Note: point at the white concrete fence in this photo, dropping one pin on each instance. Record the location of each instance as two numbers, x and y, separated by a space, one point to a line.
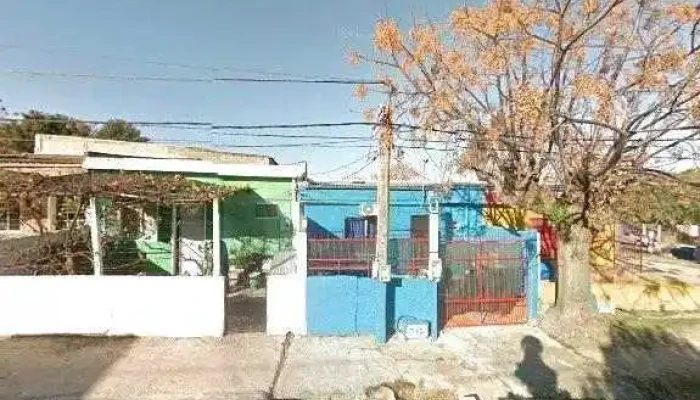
286 290
171 306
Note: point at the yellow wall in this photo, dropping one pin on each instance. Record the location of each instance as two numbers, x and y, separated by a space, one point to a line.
602 255
602 246
648 296
509 217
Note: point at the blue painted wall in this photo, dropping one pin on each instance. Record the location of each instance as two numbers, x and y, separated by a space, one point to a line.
412 299
346 306
326 209
461 213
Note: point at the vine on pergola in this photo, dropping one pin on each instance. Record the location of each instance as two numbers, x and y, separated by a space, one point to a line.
126 187
69 251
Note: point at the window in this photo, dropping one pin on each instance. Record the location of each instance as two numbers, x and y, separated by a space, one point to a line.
165 224
9 215
130 222
420 226
69 208
361 227
266 210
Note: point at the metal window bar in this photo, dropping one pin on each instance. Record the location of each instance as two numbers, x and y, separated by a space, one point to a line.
9 215
409 256
341 256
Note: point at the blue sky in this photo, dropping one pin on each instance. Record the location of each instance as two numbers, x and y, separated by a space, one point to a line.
298 37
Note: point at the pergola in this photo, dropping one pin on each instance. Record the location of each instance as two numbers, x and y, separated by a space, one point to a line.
121 188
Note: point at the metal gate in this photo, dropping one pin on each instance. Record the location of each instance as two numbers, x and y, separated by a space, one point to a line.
484 282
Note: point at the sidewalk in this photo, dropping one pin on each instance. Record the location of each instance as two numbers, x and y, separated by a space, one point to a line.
90 368
493 362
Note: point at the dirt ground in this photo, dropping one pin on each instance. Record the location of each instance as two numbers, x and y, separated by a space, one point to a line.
246 311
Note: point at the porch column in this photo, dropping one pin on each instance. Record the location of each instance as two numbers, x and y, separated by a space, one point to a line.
299 222
94 221
216 237
434 262
174 247
51 213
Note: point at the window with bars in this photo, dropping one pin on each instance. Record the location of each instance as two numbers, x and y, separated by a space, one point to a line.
266 210
9 215
361 227
68 208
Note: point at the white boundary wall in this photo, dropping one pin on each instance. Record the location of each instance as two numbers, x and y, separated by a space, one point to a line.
286 304
173 306
286 287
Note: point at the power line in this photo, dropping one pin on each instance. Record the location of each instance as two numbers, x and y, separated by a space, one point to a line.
337 144
319 144
194 124
199 125
278 135
325 143
366 155
256 71
207 125
158 78
104 77
361 168
336 81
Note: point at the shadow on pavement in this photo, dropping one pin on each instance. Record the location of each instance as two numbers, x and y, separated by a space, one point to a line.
245 313
49 367
639 363
650 363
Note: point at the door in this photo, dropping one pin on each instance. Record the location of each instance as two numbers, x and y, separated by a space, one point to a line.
484 283
194 244
419 252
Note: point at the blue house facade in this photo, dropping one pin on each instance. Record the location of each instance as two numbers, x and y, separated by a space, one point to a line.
447 267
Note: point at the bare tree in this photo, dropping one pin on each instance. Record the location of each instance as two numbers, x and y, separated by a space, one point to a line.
559 104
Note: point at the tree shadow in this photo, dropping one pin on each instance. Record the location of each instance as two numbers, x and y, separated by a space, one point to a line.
639 362
650 362
57 367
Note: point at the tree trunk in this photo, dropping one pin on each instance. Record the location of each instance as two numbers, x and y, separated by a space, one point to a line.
573 275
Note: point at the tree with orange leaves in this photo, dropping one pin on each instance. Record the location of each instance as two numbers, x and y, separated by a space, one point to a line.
560 105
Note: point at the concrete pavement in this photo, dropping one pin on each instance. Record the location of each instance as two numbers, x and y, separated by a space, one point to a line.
494 362
128 368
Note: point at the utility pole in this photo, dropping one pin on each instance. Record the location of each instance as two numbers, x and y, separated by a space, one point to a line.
380 268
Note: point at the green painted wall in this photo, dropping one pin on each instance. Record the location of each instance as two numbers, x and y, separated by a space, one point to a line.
158 254
244 231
